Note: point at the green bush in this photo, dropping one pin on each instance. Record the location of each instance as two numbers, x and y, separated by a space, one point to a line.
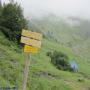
60 60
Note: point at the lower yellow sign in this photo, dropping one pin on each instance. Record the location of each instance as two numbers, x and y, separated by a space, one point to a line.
30 49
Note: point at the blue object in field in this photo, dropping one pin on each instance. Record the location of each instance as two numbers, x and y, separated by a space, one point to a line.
74 66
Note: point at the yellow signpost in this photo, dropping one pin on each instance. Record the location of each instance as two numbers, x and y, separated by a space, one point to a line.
32 41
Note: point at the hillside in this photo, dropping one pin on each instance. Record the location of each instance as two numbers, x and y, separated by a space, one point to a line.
72 32
58 35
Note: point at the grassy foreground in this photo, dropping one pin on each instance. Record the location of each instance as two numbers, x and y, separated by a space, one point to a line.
42 75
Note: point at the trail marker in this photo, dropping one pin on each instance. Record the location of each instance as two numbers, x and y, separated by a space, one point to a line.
32 41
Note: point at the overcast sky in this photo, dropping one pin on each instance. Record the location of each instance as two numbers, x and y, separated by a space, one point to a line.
59 7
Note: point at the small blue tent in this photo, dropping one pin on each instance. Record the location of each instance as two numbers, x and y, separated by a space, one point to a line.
74 66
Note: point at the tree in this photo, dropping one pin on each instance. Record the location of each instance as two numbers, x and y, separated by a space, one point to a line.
0 11
0 4
13 20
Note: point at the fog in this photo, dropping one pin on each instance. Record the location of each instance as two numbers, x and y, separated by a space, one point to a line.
79 8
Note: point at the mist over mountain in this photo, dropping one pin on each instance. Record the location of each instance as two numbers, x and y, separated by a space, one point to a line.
55 23
73 32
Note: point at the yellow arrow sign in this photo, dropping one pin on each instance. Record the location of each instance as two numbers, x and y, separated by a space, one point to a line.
30 49
31 42
32 35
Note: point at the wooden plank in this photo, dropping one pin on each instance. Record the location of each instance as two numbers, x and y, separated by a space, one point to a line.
31 42
30 49
34 35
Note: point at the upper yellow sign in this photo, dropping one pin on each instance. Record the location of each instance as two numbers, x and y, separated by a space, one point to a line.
32 35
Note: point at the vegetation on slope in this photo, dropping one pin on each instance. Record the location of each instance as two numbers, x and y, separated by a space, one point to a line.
43 75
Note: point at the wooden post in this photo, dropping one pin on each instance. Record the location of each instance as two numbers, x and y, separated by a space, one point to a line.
26 71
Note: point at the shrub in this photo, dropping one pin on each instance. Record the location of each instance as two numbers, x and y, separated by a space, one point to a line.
81 79
49 54
60 60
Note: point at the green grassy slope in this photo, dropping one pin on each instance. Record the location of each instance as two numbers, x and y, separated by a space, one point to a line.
43 75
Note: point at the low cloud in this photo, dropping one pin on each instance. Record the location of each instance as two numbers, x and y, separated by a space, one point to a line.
79 8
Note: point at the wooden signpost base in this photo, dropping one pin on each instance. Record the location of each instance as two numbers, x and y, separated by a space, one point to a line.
26 71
